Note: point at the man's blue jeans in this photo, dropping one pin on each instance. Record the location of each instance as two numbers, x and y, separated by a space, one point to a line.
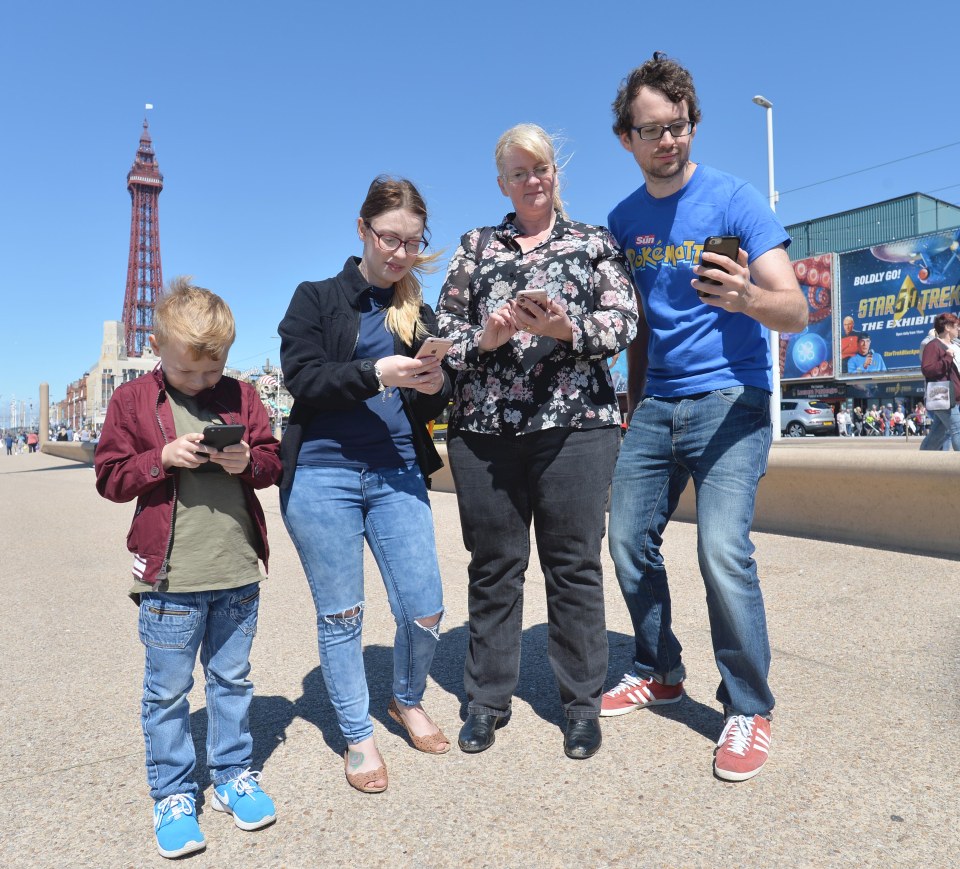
329 511
173 627
722 440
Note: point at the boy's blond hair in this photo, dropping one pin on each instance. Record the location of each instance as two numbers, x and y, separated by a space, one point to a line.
195 316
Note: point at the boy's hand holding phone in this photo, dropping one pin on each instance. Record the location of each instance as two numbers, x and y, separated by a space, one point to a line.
226 447
217 444
185 452
233 459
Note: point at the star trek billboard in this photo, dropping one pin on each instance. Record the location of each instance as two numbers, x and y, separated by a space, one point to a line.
889 296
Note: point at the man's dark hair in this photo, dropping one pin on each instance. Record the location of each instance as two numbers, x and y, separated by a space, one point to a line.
662 74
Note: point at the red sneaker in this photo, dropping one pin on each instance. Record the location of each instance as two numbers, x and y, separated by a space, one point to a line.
743 748
636 693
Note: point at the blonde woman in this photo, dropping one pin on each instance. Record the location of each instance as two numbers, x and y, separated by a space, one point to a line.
534 434
355 459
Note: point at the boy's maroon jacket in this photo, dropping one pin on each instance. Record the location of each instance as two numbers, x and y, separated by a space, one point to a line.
139 423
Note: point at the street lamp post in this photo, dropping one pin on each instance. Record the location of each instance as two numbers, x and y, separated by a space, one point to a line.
767 106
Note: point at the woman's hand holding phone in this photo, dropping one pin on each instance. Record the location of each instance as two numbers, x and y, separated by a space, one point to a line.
500 327
548 318
423 375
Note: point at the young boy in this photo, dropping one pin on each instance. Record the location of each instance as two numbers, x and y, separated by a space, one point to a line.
197 534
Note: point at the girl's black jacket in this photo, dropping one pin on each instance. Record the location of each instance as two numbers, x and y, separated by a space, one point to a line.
318 336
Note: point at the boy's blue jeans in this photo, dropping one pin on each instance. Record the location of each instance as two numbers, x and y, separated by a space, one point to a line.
722 441
329 511
173 627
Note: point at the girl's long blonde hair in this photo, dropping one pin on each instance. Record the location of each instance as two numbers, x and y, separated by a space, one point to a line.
403 314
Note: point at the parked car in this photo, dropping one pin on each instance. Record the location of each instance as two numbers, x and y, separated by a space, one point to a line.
800 417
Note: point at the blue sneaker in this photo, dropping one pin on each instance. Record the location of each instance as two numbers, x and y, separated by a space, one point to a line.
175 823
245 800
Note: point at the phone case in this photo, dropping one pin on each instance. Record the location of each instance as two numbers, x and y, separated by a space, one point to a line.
437 348
725 245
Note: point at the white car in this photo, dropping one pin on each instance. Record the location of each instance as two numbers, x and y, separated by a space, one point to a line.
800 417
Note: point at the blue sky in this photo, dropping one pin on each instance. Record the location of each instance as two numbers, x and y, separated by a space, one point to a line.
270 120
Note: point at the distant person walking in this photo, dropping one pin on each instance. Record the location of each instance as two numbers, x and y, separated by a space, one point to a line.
8 440
939 363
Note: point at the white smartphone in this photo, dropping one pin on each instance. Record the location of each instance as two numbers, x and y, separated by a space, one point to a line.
537 296
435 347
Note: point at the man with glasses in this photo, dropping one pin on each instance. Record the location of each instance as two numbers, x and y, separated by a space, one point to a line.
699 392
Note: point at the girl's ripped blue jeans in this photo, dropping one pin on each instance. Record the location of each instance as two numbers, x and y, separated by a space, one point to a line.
329 512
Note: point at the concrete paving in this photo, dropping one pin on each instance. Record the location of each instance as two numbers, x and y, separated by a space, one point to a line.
863 770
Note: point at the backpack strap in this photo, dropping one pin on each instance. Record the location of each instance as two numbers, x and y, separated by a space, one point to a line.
486 233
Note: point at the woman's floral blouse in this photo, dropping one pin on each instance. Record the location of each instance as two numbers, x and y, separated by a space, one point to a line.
532 382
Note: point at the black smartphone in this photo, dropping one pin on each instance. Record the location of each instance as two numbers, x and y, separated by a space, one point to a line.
220 436
725 245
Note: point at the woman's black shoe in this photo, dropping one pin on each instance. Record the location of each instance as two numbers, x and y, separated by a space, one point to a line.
582 738
477 733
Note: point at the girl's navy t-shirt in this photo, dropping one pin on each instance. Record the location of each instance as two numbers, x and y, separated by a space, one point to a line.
372 434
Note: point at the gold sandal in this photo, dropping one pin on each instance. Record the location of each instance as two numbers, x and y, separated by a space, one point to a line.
430 744
361 780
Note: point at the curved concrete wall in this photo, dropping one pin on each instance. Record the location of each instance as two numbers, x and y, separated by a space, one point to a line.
883 495
76 451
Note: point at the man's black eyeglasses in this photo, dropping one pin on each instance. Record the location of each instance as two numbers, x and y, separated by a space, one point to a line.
651 132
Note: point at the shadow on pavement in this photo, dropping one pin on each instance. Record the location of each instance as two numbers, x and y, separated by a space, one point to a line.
271 715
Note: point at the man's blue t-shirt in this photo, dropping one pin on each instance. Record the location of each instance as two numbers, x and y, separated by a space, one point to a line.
696 347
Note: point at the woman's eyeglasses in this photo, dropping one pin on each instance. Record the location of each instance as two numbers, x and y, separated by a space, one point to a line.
391 243
520 176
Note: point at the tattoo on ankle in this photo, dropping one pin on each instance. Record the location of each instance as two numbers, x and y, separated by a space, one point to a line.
355 759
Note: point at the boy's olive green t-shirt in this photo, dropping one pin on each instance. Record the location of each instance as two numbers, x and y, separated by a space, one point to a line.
214 537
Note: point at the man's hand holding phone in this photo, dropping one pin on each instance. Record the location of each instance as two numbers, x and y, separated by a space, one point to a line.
723 279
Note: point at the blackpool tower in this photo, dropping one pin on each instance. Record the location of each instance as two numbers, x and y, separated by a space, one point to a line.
144 274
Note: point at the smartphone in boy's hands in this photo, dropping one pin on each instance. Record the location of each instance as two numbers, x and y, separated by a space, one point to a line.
725 245
220 436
